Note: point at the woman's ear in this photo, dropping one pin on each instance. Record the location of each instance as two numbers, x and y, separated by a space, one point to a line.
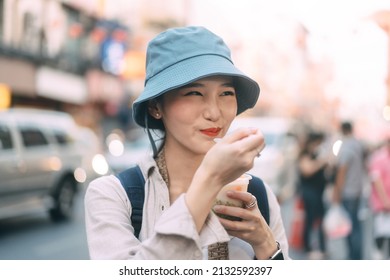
154 110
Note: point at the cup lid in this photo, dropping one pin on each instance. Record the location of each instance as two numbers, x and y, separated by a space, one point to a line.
243 179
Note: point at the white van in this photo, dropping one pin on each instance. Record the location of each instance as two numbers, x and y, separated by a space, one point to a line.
39 159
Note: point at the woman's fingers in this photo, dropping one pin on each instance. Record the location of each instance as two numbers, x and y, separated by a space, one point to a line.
239 134
245 141
253 142
237 212
247 213
249 221
248 225
234 154
244 196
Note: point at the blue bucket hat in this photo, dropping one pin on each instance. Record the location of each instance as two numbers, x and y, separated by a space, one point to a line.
180 56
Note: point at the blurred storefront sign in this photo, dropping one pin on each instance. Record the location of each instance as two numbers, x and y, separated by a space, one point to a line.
18 75
134 65
61 86
113 52
103 87
5 96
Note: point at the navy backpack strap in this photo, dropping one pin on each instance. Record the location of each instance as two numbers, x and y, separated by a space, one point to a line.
133 182
257 188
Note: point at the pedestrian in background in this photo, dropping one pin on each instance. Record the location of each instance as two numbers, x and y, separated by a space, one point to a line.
379 169
349 182
312 181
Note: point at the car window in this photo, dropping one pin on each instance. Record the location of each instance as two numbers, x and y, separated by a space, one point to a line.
33 137
62 138
5 138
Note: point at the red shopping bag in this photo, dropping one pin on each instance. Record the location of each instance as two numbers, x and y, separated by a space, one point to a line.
297 224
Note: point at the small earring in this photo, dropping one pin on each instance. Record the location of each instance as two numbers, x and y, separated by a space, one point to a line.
157 115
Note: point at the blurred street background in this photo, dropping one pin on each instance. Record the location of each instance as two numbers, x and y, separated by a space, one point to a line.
318 63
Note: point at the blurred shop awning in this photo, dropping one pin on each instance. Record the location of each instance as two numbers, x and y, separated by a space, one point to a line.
59 85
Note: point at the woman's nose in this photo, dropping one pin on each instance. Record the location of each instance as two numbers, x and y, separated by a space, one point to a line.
212 111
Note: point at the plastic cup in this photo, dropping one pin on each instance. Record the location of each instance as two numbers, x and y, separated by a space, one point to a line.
240 184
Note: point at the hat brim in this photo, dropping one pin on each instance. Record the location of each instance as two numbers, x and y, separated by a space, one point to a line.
188 71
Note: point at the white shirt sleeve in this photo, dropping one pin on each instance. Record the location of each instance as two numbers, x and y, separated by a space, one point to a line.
110 234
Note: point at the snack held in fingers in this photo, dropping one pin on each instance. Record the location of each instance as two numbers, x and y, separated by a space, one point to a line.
240 184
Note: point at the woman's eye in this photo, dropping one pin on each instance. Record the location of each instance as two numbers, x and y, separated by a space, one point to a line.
193 93
229 93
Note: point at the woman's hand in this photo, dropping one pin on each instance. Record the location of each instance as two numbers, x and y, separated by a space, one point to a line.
252 228
233 155
224 162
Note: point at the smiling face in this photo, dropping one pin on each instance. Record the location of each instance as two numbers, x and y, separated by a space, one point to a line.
197 113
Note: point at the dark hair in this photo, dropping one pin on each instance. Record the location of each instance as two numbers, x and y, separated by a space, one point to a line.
311 137
151 122
346 127
315 136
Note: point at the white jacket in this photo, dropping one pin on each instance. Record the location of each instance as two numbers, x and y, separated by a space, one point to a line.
168 231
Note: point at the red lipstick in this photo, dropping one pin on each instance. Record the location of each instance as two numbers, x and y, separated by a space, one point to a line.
212 131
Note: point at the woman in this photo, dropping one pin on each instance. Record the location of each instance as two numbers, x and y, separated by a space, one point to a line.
192 93
312 183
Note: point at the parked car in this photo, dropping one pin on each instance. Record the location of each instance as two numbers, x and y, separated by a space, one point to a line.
277 163
40 162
